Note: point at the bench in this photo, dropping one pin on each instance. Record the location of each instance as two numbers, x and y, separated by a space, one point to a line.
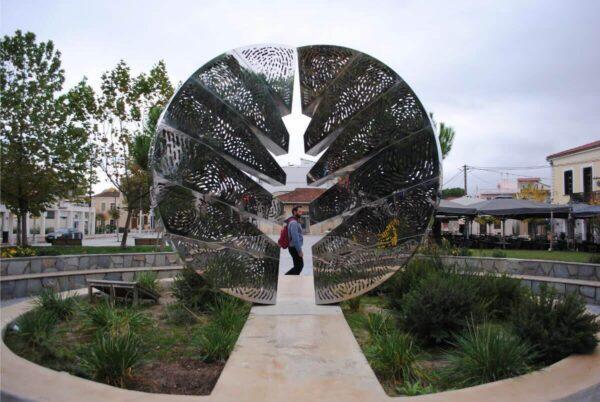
147 241
121 290
66 242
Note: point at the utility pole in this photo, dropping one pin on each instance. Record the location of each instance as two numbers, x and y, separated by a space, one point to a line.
465 177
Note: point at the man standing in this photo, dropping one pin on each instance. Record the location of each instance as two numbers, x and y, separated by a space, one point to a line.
296 240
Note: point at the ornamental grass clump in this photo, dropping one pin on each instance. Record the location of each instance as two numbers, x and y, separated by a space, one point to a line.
112 357
486 353
228 313
214 343
378 324
148 280
105 318
35 326
395 355
556 327
54 302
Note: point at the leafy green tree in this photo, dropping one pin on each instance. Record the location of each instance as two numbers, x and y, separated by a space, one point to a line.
453 192
44 136
128 105
445 136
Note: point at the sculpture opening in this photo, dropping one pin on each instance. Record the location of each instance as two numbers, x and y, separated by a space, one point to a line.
215 139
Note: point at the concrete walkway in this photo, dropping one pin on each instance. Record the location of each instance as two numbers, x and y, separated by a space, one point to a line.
297 351
285 259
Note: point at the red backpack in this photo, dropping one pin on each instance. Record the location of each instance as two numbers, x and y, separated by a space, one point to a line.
284 237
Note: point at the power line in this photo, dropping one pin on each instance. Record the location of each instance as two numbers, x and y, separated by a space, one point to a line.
512 167
507 173
452 178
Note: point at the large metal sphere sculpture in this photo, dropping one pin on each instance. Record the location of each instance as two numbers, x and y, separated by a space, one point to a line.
216 133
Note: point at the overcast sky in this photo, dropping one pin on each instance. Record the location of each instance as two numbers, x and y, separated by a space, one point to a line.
517 80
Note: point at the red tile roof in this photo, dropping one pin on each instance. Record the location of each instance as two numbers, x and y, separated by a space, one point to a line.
301 195
109 192
580 148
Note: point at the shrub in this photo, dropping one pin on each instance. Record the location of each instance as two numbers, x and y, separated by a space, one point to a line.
486 353
12 252
105 318
415 388
214 343
556 328
594 259
178 314
500 292
378 324
403 281
61 306
35 326
499 254
112 357
394 355
149 280
228 313
440 305
193 290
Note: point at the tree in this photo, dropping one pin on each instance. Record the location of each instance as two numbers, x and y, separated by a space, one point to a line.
533 194
445 136
128 106
44 136
453 192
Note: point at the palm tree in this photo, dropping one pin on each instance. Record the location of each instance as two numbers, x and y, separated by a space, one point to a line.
445 136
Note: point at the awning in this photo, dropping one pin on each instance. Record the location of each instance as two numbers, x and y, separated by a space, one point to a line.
580 211
449 208
520 209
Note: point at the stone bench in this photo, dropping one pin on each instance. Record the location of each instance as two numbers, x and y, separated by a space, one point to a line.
41 264
589 290
16 286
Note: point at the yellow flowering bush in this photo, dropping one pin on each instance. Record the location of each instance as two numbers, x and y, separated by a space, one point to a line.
11 252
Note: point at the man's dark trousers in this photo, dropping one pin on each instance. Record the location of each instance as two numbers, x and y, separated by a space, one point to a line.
298 262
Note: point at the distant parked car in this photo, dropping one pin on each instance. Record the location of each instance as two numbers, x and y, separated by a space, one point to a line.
63 233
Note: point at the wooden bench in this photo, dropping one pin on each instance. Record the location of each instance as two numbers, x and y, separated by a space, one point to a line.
66 242
121 290
147 241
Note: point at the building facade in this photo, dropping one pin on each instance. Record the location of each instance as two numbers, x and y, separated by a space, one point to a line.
576 178
575 173
64 214
112 199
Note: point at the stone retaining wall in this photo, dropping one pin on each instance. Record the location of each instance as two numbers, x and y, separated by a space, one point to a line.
44 264
30 286
514 266
565 277
27 276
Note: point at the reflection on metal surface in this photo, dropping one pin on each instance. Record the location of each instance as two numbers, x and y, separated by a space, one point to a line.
380 144
222 126
218 129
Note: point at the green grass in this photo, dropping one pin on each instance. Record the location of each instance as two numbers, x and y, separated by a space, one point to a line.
569 256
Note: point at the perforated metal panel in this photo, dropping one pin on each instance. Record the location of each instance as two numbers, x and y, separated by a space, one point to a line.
380 144
219 128
216 131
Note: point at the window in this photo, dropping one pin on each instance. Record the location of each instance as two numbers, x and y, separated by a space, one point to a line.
568 182
587 180
50 214
103 207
